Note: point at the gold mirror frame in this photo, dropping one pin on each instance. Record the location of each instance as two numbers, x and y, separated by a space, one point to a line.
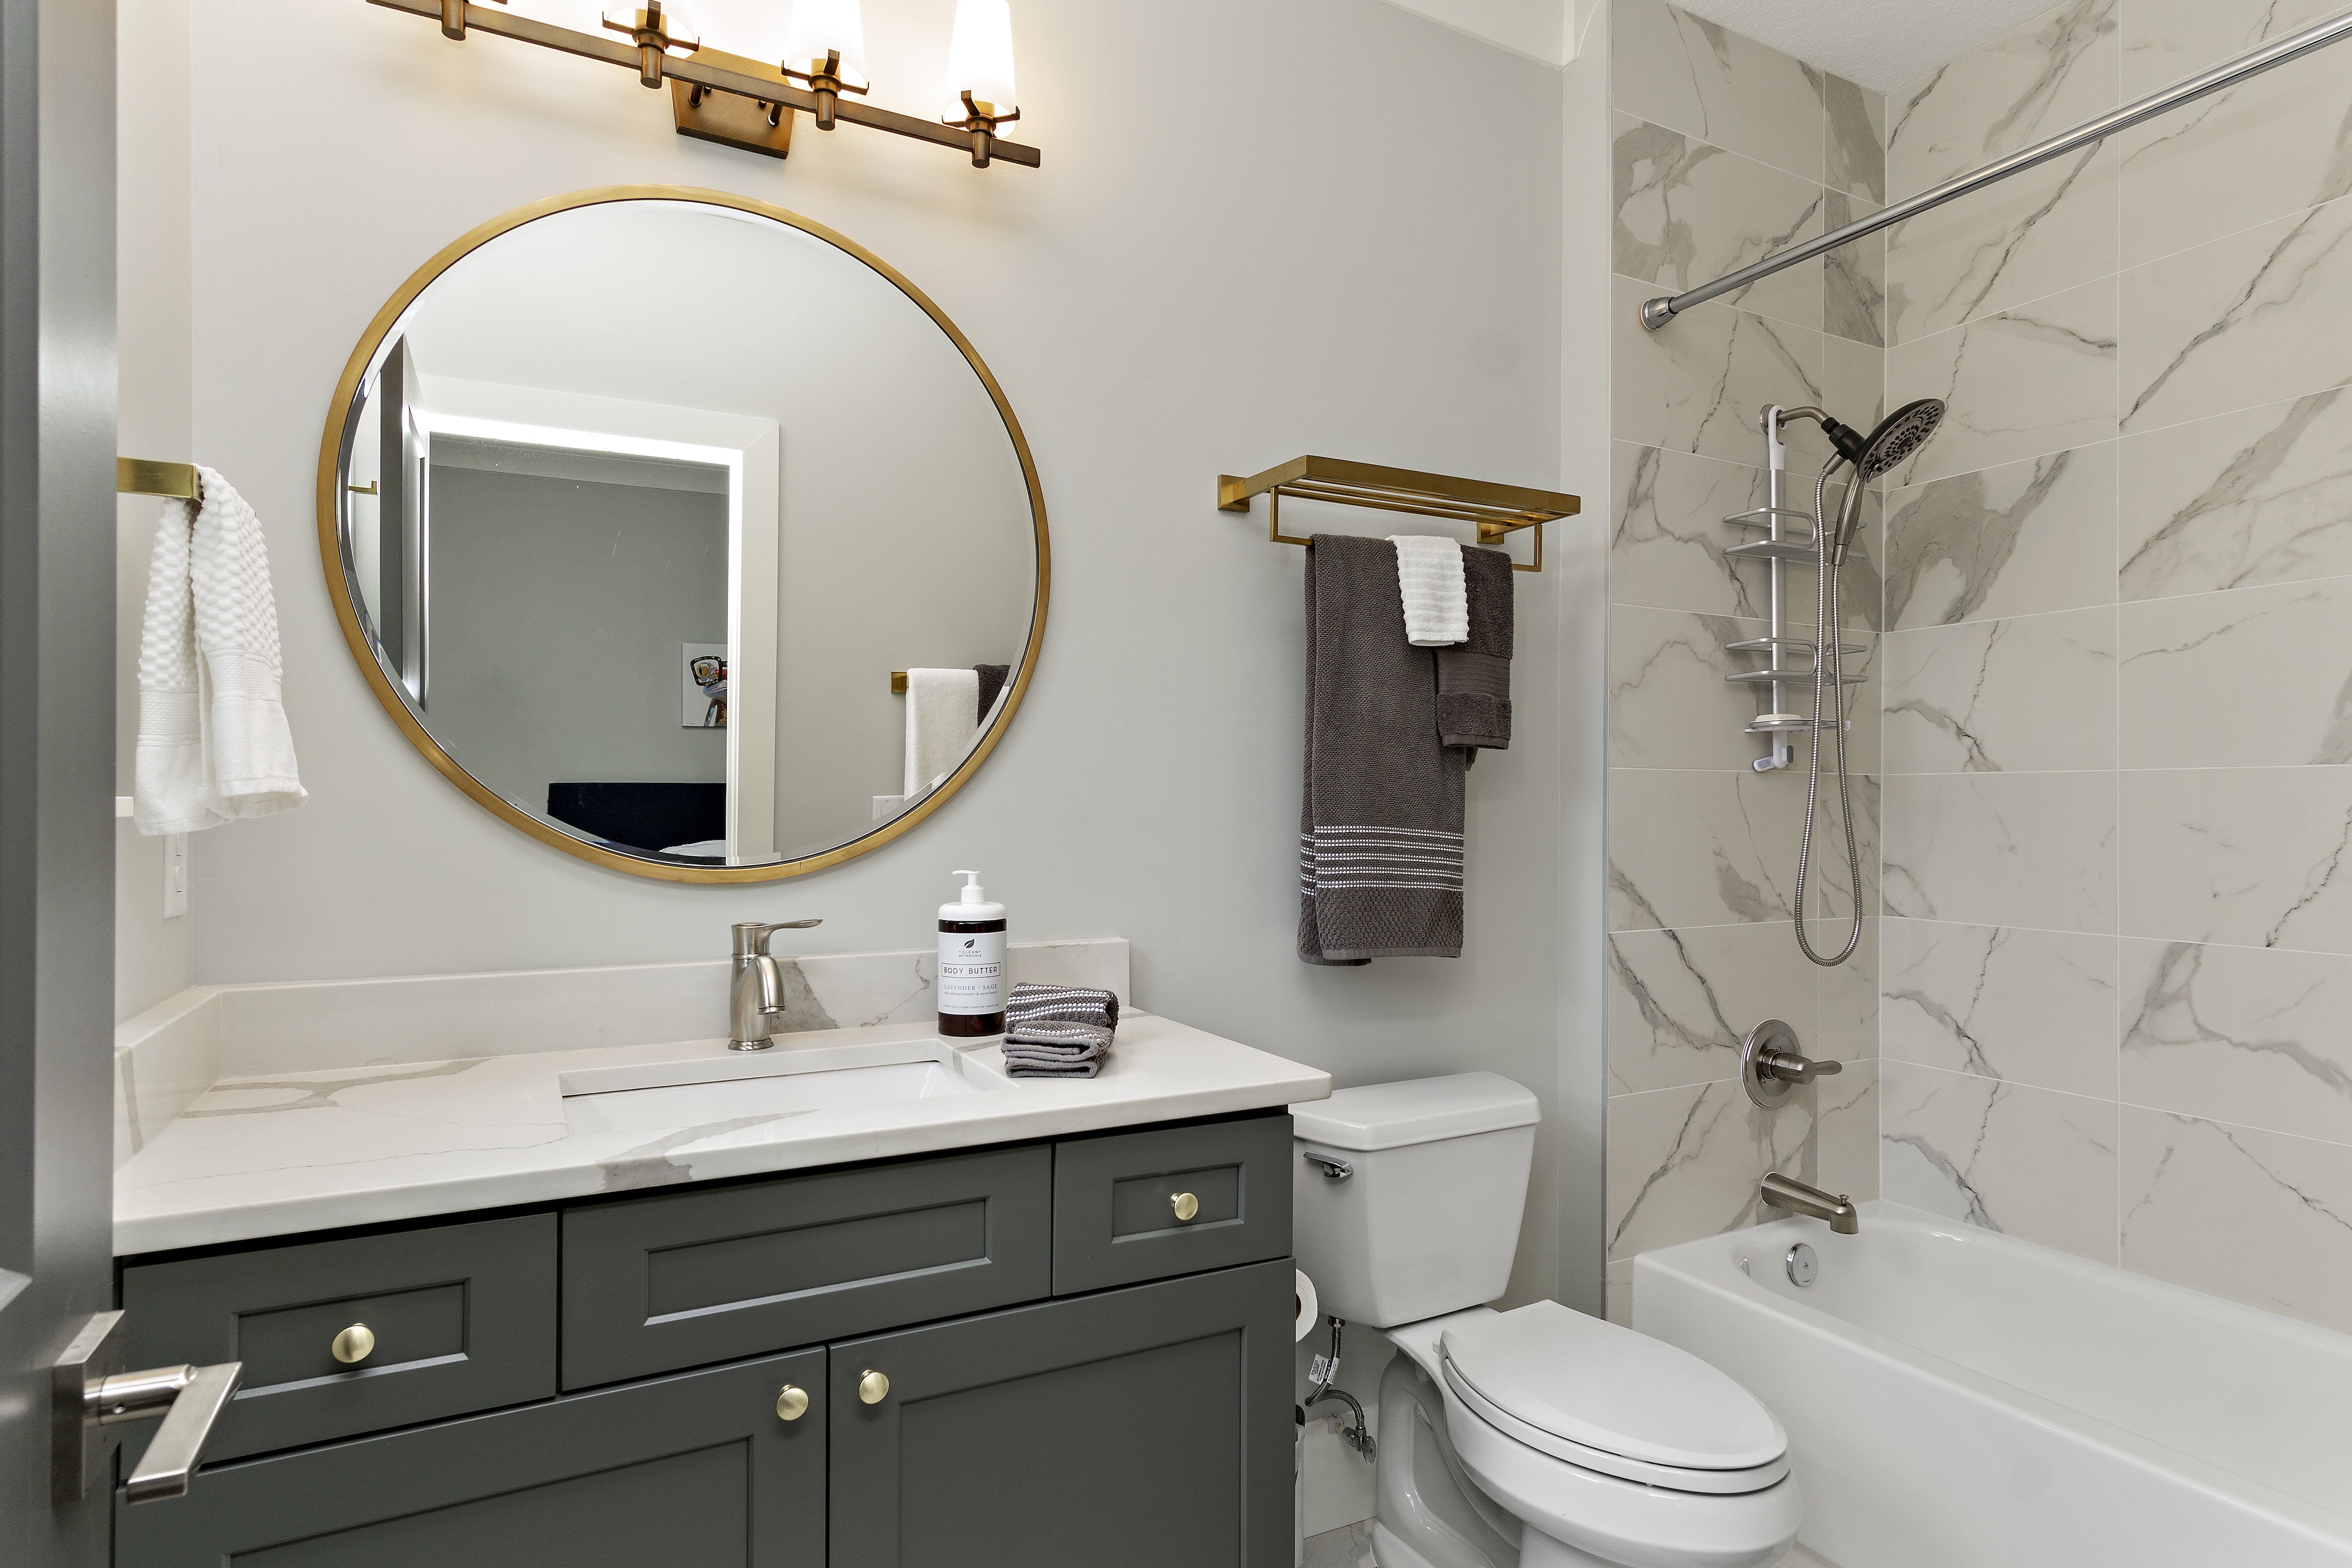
332 557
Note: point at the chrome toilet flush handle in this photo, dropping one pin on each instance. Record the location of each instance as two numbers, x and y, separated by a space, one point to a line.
1335 1169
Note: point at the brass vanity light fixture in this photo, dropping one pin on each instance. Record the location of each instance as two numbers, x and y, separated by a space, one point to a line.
1499 511
826 80
656 33
742 102
980 74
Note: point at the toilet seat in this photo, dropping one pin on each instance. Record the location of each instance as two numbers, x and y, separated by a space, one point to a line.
1607 1399
1754 1479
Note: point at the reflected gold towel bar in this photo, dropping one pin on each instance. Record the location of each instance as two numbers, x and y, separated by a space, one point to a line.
1499 511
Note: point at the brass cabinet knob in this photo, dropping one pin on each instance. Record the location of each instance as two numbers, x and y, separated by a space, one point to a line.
792 1403
873 1388
1185 1204
355 1343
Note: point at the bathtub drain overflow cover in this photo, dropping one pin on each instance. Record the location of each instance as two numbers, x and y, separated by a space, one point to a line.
1802 1264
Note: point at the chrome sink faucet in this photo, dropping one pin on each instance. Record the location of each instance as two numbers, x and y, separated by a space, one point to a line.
757 996
1787 1193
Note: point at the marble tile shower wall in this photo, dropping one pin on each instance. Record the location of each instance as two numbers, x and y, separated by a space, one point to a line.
2117 735
1725 151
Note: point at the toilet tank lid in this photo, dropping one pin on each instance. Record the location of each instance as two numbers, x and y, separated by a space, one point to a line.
1418 1110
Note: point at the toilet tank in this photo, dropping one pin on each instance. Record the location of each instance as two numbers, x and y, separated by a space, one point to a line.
1427 1215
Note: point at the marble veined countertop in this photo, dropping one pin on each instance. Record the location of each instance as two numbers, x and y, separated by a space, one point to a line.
283 1154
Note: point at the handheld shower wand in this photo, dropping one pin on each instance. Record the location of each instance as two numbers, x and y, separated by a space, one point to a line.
1870 456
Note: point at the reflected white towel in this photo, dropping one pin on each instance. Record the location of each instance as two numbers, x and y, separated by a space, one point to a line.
942 718
212 741
1436 604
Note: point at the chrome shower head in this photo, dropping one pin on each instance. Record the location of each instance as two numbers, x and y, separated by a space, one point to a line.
1899 435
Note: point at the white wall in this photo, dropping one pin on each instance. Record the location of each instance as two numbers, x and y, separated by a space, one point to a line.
1543 30
1225 261
154 957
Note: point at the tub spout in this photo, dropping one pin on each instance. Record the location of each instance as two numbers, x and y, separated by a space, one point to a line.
1783 1193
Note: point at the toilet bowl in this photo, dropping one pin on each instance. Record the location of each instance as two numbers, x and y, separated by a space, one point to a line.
1538 1438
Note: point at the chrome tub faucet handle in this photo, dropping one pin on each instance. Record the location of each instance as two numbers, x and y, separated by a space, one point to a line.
1772 1065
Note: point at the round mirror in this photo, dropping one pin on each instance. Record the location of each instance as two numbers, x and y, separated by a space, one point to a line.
683 533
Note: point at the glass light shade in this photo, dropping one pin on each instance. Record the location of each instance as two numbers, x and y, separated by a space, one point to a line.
980 57
753 28
820 26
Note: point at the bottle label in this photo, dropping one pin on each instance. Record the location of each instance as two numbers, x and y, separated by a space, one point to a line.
972 972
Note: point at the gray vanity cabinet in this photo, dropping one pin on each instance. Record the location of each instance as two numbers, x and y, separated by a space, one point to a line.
1048 1355
1148 1428
677 1472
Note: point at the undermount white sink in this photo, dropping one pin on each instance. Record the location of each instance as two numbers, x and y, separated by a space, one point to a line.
746 1089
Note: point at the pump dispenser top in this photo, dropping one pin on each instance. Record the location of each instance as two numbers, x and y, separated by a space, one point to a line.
973 905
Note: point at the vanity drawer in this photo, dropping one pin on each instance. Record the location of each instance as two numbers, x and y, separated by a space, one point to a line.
684 1279
1118 1209
463 1315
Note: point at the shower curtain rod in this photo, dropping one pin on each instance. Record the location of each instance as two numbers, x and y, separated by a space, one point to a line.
1656 313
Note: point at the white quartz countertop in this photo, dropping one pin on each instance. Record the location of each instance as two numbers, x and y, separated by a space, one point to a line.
313 1150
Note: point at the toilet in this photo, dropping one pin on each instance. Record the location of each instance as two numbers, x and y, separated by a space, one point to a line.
1540 1436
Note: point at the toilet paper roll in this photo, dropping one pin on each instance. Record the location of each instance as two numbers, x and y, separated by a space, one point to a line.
1307 1314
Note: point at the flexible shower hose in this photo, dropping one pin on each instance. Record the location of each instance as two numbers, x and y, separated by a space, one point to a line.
1828 678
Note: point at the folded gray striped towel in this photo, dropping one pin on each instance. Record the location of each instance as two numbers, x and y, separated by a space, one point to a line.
1057 1031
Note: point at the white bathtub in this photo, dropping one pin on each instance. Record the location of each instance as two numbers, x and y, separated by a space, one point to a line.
1958 1399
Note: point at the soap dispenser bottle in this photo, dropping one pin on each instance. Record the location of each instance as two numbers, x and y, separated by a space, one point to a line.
971 965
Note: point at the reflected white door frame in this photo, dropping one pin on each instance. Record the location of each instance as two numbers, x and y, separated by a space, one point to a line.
751 451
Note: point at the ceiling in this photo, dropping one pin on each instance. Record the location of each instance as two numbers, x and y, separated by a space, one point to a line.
1881 44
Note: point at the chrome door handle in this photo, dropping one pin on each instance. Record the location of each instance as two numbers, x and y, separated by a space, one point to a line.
189 1398
88 1394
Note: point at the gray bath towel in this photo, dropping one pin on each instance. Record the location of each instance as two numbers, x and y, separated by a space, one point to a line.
1474 679
1058 1031
1380 833
991 682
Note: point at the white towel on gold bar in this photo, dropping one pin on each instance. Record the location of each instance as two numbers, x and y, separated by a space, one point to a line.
214 744
943 718
1437 602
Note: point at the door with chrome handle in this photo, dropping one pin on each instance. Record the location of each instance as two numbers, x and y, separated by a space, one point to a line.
90 1392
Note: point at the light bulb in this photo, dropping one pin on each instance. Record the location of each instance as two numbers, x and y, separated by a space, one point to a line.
822 26
751 28
980 60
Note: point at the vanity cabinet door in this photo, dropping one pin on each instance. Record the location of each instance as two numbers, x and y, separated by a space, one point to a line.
1131 1206
1148 1428
698 1471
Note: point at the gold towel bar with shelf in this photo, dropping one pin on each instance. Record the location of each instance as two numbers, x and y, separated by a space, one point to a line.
1499 511
143 477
